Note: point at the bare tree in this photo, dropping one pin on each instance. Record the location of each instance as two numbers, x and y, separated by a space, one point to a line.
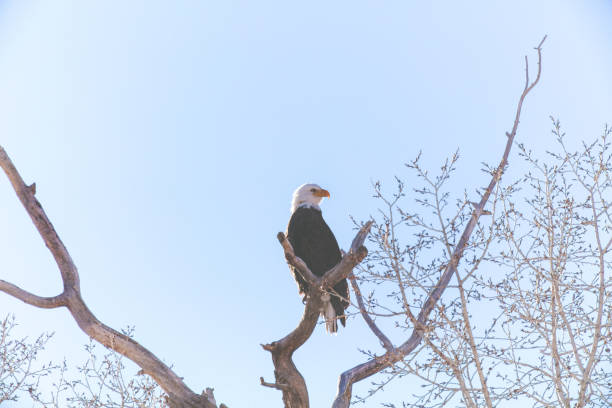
556 294
416 315
529 316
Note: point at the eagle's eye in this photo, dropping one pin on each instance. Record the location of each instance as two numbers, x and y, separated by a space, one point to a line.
312 190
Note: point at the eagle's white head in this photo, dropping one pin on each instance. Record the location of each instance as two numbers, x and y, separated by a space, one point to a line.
309 195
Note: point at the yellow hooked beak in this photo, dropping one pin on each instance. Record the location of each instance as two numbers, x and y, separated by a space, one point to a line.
321 193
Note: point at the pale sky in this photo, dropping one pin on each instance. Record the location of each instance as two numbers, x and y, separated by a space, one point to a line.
166 139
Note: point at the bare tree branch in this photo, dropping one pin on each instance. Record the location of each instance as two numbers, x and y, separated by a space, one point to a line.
179 394
296 261
364 370
366 316
30 298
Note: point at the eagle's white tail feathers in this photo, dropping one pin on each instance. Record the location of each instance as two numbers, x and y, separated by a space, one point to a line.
329 314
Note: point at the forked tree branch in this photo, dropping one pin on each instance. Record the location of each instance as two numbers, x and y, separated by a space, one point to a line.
371 367
288 378
179 394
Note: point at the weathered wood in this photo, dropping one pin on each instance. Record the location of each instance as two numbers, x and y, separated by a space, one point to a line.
288 378
179 394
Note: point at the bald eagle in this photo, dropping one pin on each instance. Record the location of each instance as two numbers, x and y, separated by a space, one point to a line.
315 244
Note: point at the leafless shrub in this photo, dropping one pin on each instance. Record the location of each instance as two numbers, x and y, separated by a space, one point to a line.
19 371
103 380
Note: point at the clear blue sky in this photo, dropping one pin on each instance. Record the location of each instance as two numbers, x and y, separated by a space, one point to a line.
166 139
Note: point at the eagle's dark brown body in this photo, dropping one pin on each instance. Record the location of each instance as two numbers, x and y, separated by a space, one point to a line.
315 244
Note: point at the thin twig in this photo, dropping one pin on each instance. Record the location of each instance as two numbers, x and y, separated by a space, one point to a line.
366 316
